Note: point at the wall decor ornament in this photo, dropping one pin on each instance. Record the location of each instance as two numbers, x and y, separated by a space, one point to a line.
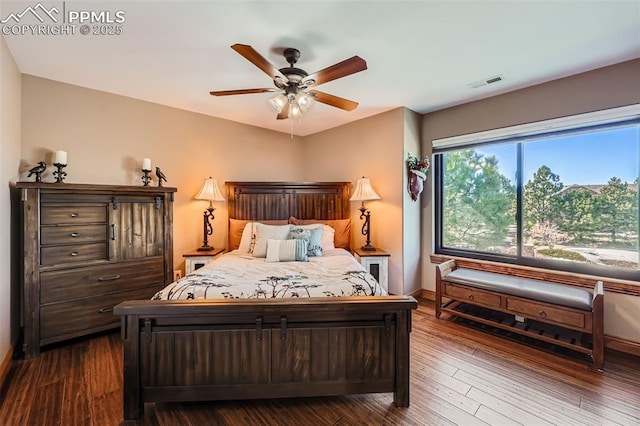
146 169
161 176
60 162
38 170
417 174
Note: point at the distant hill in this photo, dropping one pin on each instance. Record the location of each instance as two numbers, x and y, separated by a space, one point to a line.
594 189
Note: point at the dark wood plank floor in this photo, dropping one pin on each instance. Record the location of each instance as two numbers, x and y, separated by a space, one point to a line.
459 376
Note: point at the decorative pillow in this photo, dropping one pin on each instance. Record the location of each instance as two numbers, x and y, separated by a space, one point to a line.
266 232
313 237
294 250
342 228
240 234
326 238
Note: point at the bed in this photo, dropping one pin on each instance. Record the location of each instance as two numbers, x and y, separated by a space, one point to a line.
279 336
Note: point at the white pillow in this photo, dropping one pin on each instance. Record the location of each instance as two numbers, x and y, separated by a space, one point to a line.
287 251
328 235
245 240
266 232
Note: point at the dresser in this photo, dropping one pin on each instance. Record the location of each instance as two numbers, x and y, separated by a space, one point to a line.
86 248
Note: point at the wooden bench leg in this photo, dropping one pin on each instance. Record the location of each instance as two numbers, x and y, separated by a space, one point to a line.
598 326
438 294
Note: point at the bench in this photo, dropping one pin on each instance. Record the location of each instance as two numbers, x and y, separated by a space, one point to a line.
538 309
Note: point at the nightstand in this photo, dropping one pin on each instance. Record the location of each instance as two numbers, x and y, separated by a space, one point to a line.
376 262
197 259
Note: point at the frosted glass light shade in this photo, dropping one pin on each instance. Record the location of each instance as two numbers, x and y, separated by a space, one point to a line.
304 100
209 191
364 191
278 102
294 110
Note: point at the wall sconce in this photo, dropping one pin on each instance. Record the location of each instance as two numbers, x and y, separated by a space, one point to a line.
211 193
364 192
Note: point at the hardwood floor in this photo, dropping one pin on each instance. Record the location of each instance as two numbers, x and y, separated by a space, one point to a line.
459 376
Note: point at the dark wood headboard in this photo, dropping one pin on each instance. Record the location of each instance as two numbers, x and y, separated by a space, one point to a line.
281 200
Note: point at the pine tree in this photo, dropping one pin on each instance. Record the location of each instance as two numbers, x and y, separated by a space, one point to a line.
477 201
541 201
579 213
619 208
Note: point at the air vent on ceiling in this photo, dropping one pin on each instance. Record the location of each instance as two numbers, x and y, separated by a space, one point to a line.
490 80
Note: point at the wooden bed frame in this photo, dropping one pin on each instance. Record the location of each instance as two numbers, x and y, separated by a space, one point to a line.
200 350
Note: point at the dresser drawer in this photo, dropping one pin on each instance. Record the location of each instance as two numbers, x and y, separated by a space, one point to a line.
75 253
472 295
546 313
70 234
61 321
67 214
71 284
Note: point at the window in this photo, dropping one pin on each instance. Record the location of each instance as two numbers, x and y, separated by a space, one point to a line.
565 199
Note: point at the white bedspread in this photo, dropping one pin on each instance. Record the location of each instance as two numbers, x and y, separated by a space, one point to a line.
239 275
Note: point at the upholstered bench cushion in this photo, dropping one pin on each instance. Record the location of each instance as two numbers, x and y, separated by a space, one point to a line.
543 291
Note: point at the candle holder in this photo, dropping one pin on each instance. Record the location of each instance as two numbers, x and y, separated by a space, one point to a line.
146 178
59 174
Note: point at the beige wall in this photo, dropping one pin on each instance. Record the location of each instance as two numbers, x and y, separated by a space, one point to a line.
372 147
9 160
106 137
411 224
603 88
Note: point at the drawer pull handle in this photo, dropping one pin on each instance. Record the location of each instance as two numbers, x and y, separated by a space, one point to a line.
75 253
105 310
115 277
543 314
75 215
74 235
471 297
113 232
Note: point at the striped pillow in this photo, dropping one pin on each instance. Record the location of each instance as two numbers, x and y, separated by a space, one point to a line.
287 251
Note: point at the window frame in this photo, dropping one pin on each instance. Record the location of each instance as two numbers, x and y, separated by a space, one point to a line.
518 135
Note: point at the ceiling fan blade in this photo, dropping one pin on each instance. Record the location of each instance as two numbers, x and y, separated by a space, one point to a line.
258 60
334 101
284 114
339 70
241 92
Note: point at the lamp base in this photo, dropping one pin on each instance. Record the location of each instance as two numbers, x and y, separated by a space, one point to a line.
368 247
205 248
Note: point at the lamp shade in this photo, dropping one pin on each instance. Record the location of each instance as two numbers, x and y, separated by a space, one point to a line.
210 191
364 191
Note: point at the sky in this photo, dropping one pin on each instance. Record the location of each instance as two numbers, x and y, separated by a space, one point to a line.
592 158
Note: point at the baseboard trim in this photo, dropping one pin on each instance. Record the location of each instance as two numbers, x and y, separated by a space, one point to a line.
428 295
610 342
622 345
416 293
4 371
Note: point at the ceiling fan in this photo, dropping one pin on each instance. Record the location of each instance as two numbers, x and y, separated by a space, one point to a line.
294 83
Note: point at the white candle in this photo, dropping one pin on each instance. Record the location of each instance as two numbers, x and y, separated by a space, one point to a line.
146 164
61 157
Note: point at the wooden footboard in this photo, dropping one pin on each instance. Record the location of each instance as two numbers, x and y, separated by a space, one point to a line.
198 350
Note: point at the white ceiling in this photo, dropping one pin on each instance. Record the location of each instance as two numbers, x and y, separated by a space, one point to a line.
420 54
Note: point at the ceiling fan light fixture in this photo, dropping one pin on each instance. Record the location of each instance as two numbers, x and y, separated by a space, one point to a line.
294 110
304 100
278 102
